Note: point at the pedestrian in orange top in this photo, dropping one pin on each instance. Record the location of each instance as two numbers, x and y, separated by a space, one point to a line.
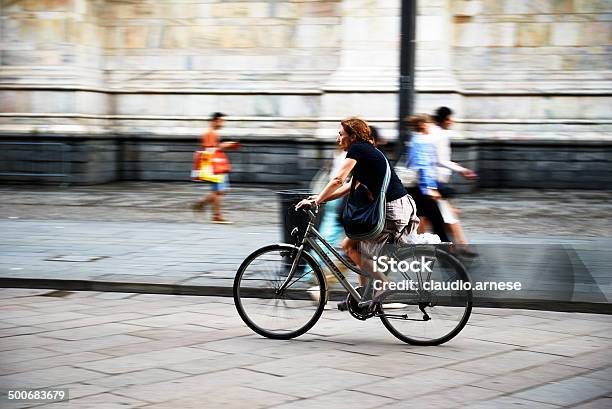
211 142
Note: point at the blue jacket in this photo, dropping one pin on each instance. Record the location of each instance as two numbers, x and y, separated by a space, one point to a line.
423 158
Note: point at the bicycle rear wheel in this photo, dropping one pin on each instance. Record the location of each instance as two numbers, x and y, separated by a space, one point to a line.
274 314
428 317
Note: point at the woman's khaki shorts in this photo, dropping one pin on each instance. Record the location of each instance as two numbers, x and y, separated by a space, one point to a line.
400 222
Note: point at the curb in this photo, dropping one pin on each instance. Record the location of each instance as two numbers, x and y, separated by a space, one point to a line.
224 291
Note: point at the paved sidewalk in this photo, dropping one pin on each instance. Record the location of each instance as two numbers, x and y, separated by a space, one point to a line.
143 238
120 350
580 214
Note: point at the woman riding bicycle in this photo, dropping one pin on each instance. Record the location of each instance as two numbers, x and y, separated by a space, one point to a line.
368 167
273 289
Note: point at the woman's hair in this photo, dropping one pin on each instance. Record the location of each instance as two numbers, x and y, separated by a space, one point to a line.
357 130
442 115
375 134
415 121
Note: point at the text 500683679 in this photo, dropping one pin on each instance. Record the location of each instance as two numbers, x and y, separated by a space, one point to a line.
37 395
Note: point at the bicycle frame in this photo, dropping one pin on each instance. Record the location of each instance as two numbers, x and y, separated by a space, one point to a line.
310 238
368 305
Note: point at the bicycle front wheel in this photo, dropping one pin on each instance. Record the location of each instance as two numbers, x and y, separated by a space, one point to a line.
437 307
275 313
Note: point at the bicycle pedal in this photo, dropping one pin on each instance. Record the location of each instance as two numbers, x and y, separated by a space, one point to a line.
342 306
366 304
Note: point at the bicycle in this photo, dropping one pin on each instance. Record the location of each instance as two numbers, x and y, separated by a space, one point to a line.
280 291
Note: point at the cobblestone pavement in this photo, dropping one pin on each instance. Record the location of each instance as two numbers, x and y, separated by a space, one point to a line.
119 350
159 202
142 234
514 212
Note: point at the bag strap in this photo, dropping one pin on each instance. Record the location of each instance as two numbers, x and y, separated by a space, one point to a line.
386 180
353 183
385 185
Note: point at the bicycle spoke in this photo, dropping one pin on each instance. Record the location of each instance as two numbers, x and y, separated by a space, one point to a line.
428 317
288 312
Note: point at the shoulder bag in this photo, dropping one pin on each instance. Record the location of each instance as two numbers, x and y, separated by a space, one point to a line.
407 176
364 216
220 162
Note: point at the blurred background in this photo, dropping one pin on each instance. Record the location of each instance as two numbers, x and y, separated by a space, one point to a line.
103 103
95 91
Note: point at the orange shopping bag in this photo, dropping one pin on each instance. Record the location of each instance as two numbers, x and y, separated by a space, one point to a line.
220 163
202 168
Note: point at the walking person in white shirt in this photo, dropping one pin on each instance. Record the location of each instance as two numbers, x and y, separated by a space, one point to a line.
443 118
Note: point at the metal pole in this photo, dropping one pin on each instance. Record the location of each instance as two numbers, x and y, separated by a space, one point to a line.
406 79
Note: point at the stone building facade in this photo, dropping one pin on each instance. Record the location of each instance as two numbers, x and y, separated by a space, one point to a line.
103 90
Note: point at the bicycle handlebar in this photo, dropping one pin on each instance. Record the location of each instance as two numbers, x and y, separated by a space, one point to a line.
311 210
